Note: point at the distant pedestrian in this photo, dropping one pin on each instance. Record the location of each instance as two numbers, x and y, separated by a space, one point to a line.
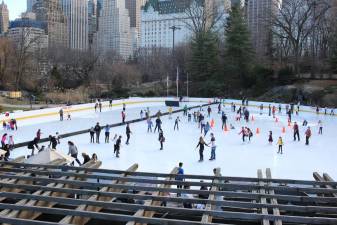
307 136
320 127
270 138
128 133
107 133
176 123
61 114
92 135
161 139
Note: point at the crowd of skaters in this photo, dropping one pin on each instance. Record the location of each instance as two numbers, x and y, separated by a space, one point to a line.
201 117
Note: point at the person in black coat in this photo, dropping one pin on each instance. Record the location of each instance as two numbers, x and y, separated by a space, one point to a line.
128 133
52 142
98 132
86 158
33 144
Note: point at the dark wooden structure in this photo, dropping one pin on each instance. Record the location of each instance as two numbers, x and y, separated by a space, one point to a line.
59 194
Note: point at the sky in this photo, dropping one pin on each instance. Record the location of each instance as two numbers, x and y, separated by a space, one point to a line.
15 7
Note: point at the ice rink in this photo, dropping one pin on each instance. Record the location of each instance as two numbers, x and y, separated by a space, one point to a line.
234 157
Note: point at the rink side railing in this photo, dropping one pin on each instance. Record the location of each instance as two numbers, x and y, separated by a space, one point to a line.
75 133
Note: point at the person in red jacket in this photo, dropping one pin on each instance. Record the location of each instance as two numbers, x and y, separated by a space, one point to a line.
307 135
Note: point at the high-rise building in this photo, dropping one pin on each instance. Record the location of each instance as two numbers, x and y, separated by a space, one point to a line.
50 12
28 33
92 21
134 7
76 12
114 28
259 18
4 18
30 4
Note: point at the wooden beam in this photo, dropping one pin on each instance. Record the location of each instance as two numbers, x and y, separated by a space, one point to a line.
206 218
165 175
18 181
150 214
84 220
264 211
273 201
33 215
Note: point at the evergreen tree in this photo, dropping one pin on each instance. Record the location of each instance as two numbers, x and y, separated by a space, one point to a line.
238 49
204 62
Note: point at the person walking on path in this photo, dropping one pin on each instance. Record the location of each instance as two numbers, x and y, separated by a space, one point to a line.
149 125
176 123
201 145
320 127
161 139
73 152
98 132
128 133
296 132
180 177
92 135
307 136
107 133
280 145
213 147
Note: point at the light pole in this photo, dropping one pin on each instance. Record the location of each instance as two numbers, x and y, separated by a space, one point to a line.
174 28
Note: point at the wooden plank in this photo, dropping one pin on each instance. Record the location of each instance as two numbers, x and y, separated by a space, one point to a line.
165 175
33 215
83 220
150 214
273 201
206 218
19 181
264 211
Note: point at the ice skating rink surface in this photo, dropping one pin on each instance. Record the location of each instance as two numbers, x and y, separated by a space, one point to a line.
234 157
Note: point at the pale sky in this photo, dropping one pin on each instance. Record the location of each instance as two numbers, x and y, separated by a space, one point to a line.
16 7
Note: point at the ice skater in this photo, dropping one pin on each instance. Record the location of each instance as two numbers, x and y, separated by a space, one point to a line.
141 114
209 111
149 125
161 139
123 116
201 145
320 127
128 133
296 132
33 144
52 142
224 120
213 147
107 133
118 146
92 135
73 152
207 127
97 130
179 177
261 109
280 145
158 124
307 136
61 114
270 138
176 123
243 133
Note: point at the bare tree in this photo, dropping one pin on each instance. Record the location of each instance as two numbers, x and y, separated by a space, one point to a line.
6 53
293 24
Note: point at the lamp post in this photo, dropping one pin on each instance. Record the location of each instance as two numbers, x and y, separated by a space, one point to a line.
174 28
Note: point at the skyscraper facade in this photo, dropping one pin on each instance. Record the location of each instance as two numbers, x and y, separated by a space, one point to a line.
50 12
30 4
4 18
114 28
259 18
134 8
76 12
92 21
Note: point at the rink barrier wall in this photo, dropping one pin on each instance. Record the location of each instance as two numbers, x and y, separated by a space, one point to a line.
71 134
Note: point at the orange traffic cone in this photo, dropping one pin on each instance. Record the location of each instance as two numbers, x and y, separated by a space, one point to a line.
212 123
252 117
283 130
257 130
